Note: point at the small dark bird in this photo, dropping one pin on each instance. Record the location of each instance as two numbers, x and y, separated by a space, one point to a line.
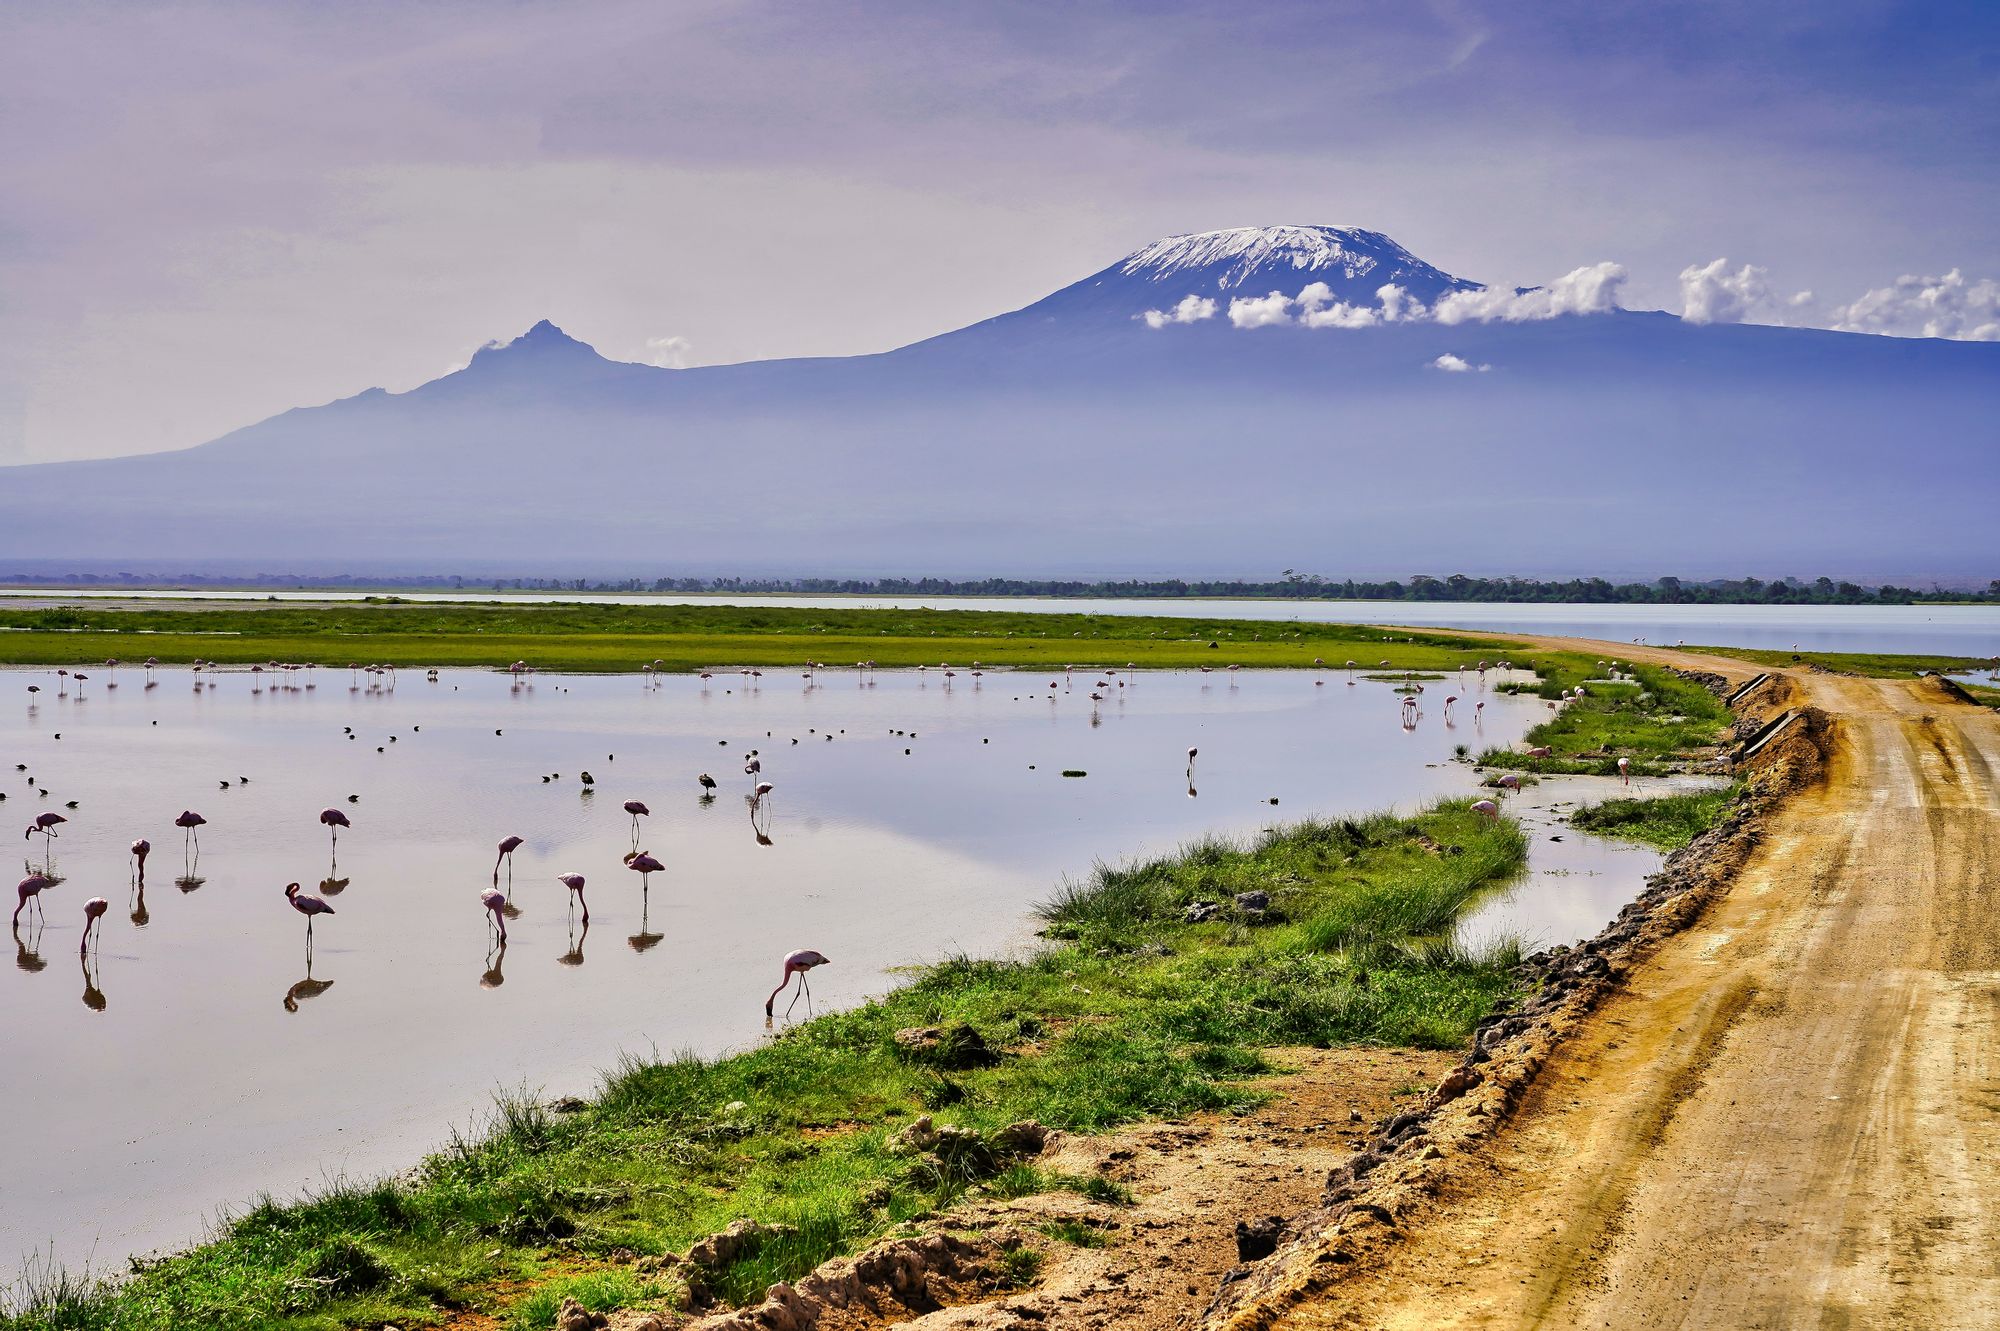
707 781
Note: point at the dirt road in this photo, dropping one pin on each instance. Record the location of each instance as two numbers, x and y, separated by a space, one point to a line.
1790 1116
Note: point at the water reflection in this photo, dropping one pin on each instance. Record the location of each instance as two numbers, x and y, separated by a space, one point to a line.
93 997
496 956
309 987
141 917
27 951
643 941
574 957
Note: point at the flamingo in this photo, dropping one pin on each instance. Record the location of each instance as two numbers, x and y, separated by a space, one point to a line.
1625 770
30 889
496 901
796 963
1509 782
191 820
638 810
1190 767
645 866
574 882
1449 699
1487 808
93 915
307 905
46 824
508 845
140 850
333 820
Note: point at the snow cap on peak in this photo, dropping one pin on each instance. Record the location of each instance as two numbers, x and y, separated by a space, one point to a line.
1242 257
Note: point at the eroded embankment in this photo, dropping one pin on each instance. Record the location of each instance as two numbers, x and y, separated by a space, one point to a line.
1387 1188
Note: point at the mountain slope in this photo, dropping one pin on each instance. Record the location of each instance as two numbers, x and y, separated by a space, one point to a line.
1072 437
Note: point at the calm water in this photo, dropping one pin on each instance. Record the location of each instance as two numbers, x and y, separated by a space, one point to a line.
202 1056
1963 630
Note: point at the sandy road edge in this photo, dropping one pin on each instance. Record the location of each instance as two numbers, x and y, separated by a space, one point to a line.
1391 1185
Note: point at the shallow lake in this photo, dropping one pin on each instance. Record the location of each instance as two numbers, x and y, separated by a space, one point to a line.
201 1056
1952 630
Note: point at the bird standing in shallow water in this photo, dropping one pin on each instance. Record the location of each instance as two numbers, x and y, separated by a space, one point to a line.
574 882
796 963
307 905
93 915
508 845
29 889
333 820
496 901
46 824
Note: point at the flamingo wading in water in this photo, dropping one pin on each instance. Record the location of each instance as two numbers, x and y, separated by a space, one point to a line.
496 901
93 917
46 824
574 882
508 845
333 820
29 889
308 905
191 820
796 963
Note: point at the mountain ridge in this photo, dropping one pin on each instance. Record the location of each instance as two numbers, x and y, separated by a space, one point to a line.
1072 433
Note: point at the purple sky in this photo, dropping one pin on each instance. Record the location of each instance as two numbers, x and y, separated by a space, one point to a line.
213 212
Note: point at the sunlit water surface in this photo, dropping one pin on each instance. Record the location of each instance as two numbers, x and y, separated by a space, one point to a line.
201 1057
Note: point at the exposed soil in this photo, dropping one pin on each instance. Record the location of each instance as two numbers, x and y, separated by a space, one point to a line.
1778 1109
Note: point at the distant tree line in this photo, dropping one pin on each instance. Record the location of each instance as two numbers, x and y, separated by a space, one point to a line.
1290 584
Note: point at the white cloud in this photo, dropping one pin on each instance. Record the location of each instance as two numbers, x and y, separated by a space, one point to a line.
1260 311
1191 309
668 352
1948 306
1318 309
1710 293
1398 305
1591 290
1452 364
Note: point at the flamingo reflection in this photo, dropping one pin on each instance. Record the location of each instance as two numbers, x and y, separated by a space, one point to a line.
27 951
643 941
496 956
306 988
141 917
574 957
93 997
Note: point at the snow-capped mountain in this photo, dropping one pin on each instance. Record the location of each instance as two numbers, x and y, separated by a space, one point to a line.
1252 261
1497 433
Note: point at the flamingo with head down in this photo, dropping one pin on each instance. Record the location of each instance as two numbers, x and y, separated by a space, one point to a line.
796 963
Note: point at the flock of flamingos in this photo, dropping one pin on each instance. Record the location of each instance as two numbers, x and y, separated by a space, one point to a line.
795 965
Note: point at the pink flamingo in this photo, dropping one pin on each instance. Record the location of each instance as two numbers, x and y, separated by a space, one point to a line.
496 901
140 850
796 963
1478 708
1190 767
1625 770
1540 751
29 889
645 866
508 845
1509 782
46 824
308 905
93 914
190 820
1449 699
638 810
333 820
763 788
1487 808
574 882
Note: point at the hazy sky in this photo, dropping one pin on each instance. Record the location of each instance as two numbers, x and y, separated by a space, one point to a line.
213 212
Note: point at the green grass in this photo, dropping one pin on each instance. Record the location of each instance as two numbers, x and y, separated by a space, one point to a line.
618 637
1665 822
1880 665
1128 1013
1653 721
